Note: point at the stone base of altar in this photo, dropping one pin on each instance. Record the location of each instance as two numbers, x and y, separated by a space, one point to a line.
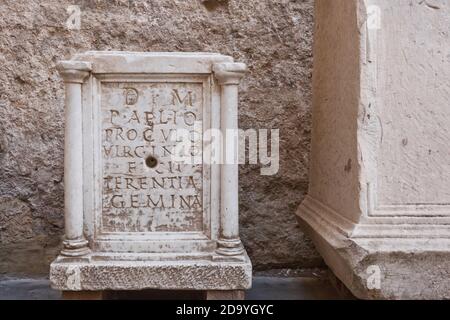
98 273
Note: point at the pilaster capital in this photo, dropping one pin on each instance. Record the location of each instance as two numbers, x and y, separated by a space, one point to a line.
73 71
229 72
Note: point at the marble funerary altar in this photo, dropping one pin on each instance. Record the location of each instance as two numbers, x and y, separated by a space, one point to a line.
135 217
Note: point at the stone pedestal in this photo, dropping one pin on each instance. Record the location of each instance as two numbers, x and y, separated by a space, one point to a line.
378 208
138 216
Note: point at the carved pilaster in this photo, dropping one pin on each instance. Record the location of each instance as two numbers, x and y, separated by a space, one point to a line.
228 76
74 73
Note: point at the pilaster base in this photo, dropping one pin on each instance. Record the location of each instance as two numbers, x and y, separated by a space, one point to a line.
230 248
75 248
381 260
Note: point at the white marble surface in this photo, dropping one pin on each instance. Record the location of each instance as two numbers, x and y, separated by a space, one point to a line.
138 218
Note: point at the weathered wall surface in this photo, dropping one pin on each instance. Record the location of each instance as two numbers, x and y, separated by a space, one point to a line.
273 37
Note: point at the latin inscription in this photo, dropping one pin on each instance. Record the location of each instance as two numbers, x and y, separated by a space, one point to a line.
144 189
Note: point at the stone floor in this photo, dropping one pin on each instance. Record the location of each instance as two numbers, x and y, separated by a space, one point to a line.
264 288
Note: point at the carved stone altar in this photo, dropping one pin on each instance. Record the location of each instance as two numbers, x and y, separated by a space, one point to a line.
135 218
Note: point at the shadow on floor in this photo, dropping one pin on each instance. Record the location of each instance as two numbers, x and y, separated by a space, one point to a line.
264 288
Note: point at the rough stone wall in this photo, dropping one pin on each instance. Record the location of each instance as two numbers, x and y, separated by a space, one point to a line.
274 37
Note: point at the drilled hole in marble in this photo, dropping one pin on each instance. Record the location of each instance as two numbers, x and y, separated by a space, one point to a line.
151 162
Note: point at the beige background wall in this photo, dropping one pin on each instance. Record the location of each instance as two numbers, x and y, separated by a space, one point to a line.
273 37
